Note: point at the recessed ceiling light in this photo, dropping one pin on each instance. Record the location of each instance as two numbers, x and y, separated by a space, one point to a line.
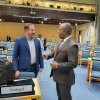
42 22
0 20
75 24
22 21
59 23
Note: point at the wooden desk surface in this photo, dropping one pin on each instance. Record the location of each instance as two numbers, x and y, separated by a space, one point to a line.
37 94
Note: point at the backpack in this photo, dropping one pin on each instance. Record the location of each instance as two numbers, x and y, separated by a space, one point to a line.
7 73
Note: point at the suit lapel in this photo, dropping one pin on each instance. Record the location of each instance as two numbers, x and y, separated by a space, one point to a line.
57 49
26 44
63 46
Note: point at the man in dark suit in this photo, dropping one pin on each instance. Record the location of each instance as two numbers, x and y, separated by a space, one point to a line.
65 59
27 55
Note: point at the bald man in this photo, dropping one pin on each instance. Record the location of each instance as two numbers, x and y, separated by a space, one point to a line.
65 60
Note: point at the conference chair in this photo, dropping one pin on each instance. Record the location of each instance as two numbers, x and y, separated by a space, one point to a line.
94 69
83 56
96 53
9 52
3 57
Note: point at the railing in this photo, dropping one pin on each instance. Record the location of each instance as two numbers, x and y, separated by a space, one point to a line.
56 5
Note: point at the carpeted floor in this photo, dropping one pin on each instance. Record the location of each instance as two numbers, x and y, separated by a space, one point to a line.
80 90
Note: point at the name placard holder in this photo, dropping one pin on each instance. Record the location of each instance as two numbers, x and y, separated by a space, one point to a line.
18 88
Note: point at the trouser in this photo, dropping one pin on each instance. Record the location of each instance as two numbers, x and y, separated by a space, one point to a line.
63 92
45 46
34 69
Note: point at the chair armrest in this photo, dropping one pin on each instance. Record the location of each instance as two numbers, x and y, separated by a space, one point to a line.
79 57
91 53
89 67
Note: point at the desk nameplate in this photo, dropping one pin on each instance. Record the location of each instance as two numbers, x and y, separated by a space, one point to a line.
16 89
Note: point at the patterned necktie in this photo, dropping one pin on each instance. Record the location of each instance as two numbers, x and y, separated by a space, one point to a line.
59 45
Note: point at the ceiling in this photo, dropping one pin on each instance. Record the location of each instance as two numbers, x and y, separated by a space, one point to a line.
46 16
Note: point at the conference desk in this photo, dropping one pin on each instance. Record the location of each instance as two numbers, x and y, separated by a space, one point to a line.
36 96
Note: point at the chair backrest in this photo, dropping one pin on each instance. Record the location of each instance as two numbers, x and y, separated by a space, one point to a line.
11 49
97 54
96 64
85 54
96 49
3 57
9 52
1 49
87 48
1 52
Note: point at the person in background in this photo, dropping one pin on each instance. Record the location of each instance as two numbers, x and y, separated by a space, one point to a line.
45 43
8 38
65 60
40 38
52 45
27 55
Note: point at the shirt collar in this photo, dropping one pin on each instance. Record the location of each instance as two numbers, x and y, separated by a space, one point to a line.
66 38
29 39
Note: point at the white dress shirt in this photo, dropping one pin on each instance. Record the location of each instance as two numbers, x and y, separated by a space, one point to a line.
32 50
64 40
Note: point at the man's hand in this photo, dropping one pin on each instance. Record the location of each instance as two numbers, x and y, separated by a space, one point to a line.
45 56
17 74
54 65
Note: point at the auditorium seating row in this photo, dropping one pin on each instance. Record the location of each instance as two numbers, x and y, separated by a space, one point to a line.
90 56
6 50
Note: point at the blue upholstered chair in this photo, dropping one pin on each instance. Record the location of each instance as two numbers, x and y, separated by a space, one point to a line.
96 49
3 57
1 49
9 52
0 52
83 56
94 69
96 53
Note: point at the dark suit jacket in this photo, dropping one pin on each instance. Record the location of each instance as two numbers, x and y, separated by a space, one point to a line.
22 57
67 58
